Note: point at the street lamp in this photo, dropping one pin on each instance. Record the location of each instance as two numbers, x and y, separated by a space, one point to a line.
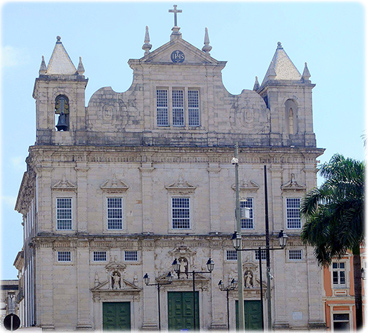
146 279
233 285
210 266
237 241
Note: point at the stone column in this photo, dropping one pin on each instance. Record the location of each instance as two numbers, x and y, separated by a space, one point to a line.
147 193
82 198
84 297
149 293
45 286
45 221
213 176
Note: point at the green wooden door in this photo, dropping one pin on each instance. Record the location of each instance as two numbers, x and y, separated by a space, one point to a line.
252 315
116 316
180 310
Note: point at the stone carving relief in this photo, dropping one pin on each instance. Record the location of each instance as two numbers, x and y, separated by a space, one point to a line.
292 184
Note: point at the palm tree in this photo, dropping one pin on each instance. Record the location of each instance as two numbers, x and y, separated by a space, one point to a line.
334 215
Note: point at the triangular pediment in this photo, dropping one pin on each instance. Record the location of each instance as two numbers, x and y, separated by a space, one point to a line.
114 185
178 52
246 185
105 286
181 185
64 185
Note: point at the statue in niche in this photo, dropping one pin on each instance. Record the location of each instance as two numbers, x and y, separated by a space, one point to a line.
248 279
183 267
116 280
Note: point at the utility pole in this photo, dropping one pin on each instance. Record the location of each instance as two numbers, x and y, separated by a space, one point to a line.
269 318
235 161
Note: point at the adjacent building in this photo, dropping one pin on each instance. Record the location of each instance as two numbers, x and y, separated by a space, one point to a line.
339 293
125 185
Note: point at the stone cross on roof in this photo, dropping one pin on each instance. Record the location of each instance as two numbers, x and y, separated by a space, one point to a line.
175 11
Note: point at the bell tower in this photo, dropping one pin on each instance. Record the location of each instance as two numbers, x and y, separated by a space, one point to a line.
288 95
59 92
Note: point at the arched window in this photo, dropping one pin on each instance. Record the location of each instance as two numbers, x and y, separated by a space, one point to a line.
291 121
62 113
291 110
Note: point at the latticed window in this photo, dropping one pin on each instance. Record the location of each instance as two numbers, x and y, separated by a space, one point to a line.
338 274
247 223
293 213
180 213
263 254
295 254
162 108
114 213
131 256
99 256
178 107
193 108
64 213
231 255
64 256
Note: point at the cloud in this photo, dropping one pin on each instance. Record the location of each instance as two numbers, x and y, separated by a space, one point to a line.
12 56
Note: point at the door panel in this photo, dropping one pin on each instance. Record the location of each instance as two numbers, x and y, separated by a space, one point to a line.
252 315
116 316
180 310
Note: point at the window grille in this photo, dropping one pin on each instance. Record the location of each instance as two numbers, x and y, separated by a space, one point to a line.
193 108
178 107
247 223
162 108
295 254
99 256
293 213
114 213
263 254
231 255
180 213
131 256
64 213
338 274
64 256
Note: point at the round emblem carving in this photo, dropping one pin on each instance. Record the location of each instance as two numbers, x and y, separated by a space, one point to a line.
177 56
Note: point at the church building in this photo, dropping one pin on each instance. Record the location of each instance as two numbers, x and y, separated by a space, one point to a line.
126 183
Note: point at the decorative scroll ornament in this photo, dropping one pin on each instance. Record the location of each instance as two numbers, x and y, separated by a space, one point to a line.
293 185
245 185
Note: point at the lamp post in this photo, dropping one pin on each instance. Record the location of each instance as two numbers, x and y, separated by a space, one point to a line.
146 279
231 286
210 266
235 162
236 239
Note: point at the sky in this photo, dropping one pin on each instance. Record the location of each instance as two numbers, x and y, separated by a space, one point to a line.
329 36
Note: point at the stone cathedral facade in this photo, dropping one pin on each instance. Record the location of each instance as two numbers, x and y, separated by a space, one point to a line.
124 184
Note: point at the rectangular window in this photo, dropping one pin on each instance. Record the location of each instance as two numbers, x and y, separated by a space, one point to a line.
338 274
231 255
162 108
193 108
247 223
263 254
114 213
64 256
99 256
180 213
341 322
295 254
178 107
131 256
64 213
293 213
